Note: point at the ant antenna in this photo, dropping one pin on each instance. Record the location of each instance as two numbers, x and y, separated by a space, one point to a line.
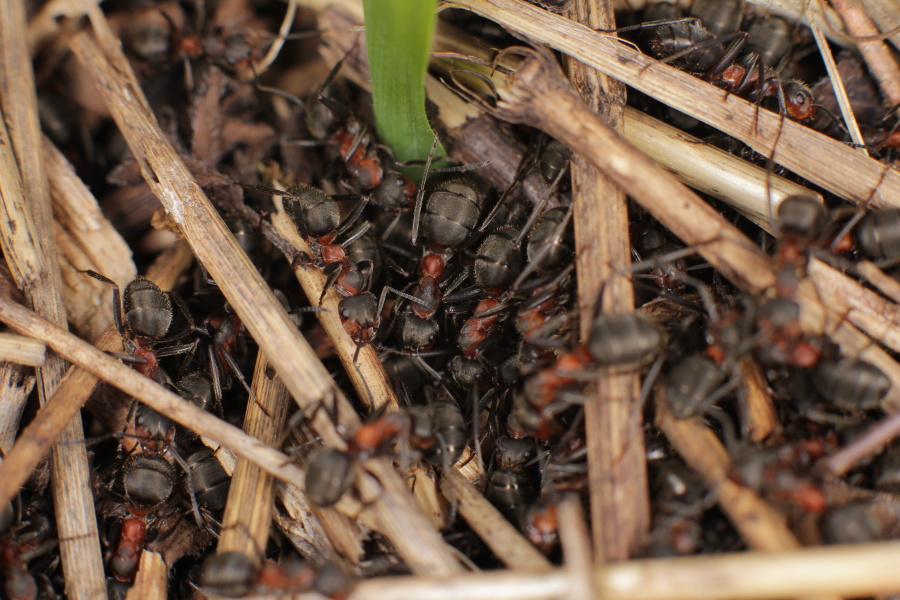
417 213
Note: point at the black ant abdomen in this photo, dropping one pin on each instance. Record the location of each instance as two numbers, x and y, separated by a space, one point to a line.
878 234
313 211
851 384
148 480
452 212
625 339
329 474
498 261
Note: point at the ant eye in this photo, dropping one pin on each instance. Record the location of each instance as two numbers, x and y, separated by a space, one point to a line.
345 314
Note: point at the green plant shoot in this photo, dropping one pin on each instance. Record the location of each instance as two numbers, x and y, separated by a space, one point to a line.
398 40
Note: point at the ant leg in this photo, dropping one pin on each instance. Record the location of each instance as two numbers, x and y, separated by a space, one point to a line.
545 250
351 218
188 480
420 196
226 357
332 272
117 299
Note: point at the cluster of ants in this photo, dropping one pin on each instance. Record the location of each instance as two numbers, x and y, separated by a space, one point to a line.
467 294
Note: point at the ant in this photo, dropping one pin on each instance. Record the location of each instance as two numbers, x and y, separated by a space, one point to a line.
690 46
436 429
234 575
148 316
20 543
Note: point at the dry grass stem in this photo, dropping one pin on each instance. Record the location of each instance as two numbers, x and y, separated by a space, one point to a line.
304 376
326 534
15 387
36 439
712 170
882 64
617 468
759 417
870 442
28 245
864 308
152 579
575 539
886 17
149 392
248 513
22 350
840 90
77 210
809 12
886 284
848 571
500 536
266 61
366 373
800 149
760 525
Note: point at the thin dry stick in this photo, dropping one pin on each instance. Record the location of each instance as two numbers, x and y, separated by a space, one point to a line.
576 546
847 571
304 376
367 373
867 444
152 579
35 441
617 469
840 91
266 61
15 389
248 513
886 17
29 249
500 536
800 149
877 54
872 313
888 286
77 210
760 525
749 188
22 350
149 392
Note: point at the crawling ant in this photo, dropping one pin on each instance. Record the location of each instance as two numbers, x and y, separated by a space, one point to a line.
148 315
436 429
692 47
234 575
616 340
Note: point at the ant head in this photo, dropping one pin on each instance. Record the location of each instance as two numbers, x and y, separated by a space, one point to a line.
799 103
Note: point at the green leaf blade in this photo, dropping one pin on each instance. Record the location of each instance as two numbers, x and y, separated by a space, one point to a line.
398 39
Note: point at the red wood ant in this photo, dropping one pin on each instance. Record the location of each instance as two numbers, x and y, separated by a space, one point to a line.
148 317
233 575
690 46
